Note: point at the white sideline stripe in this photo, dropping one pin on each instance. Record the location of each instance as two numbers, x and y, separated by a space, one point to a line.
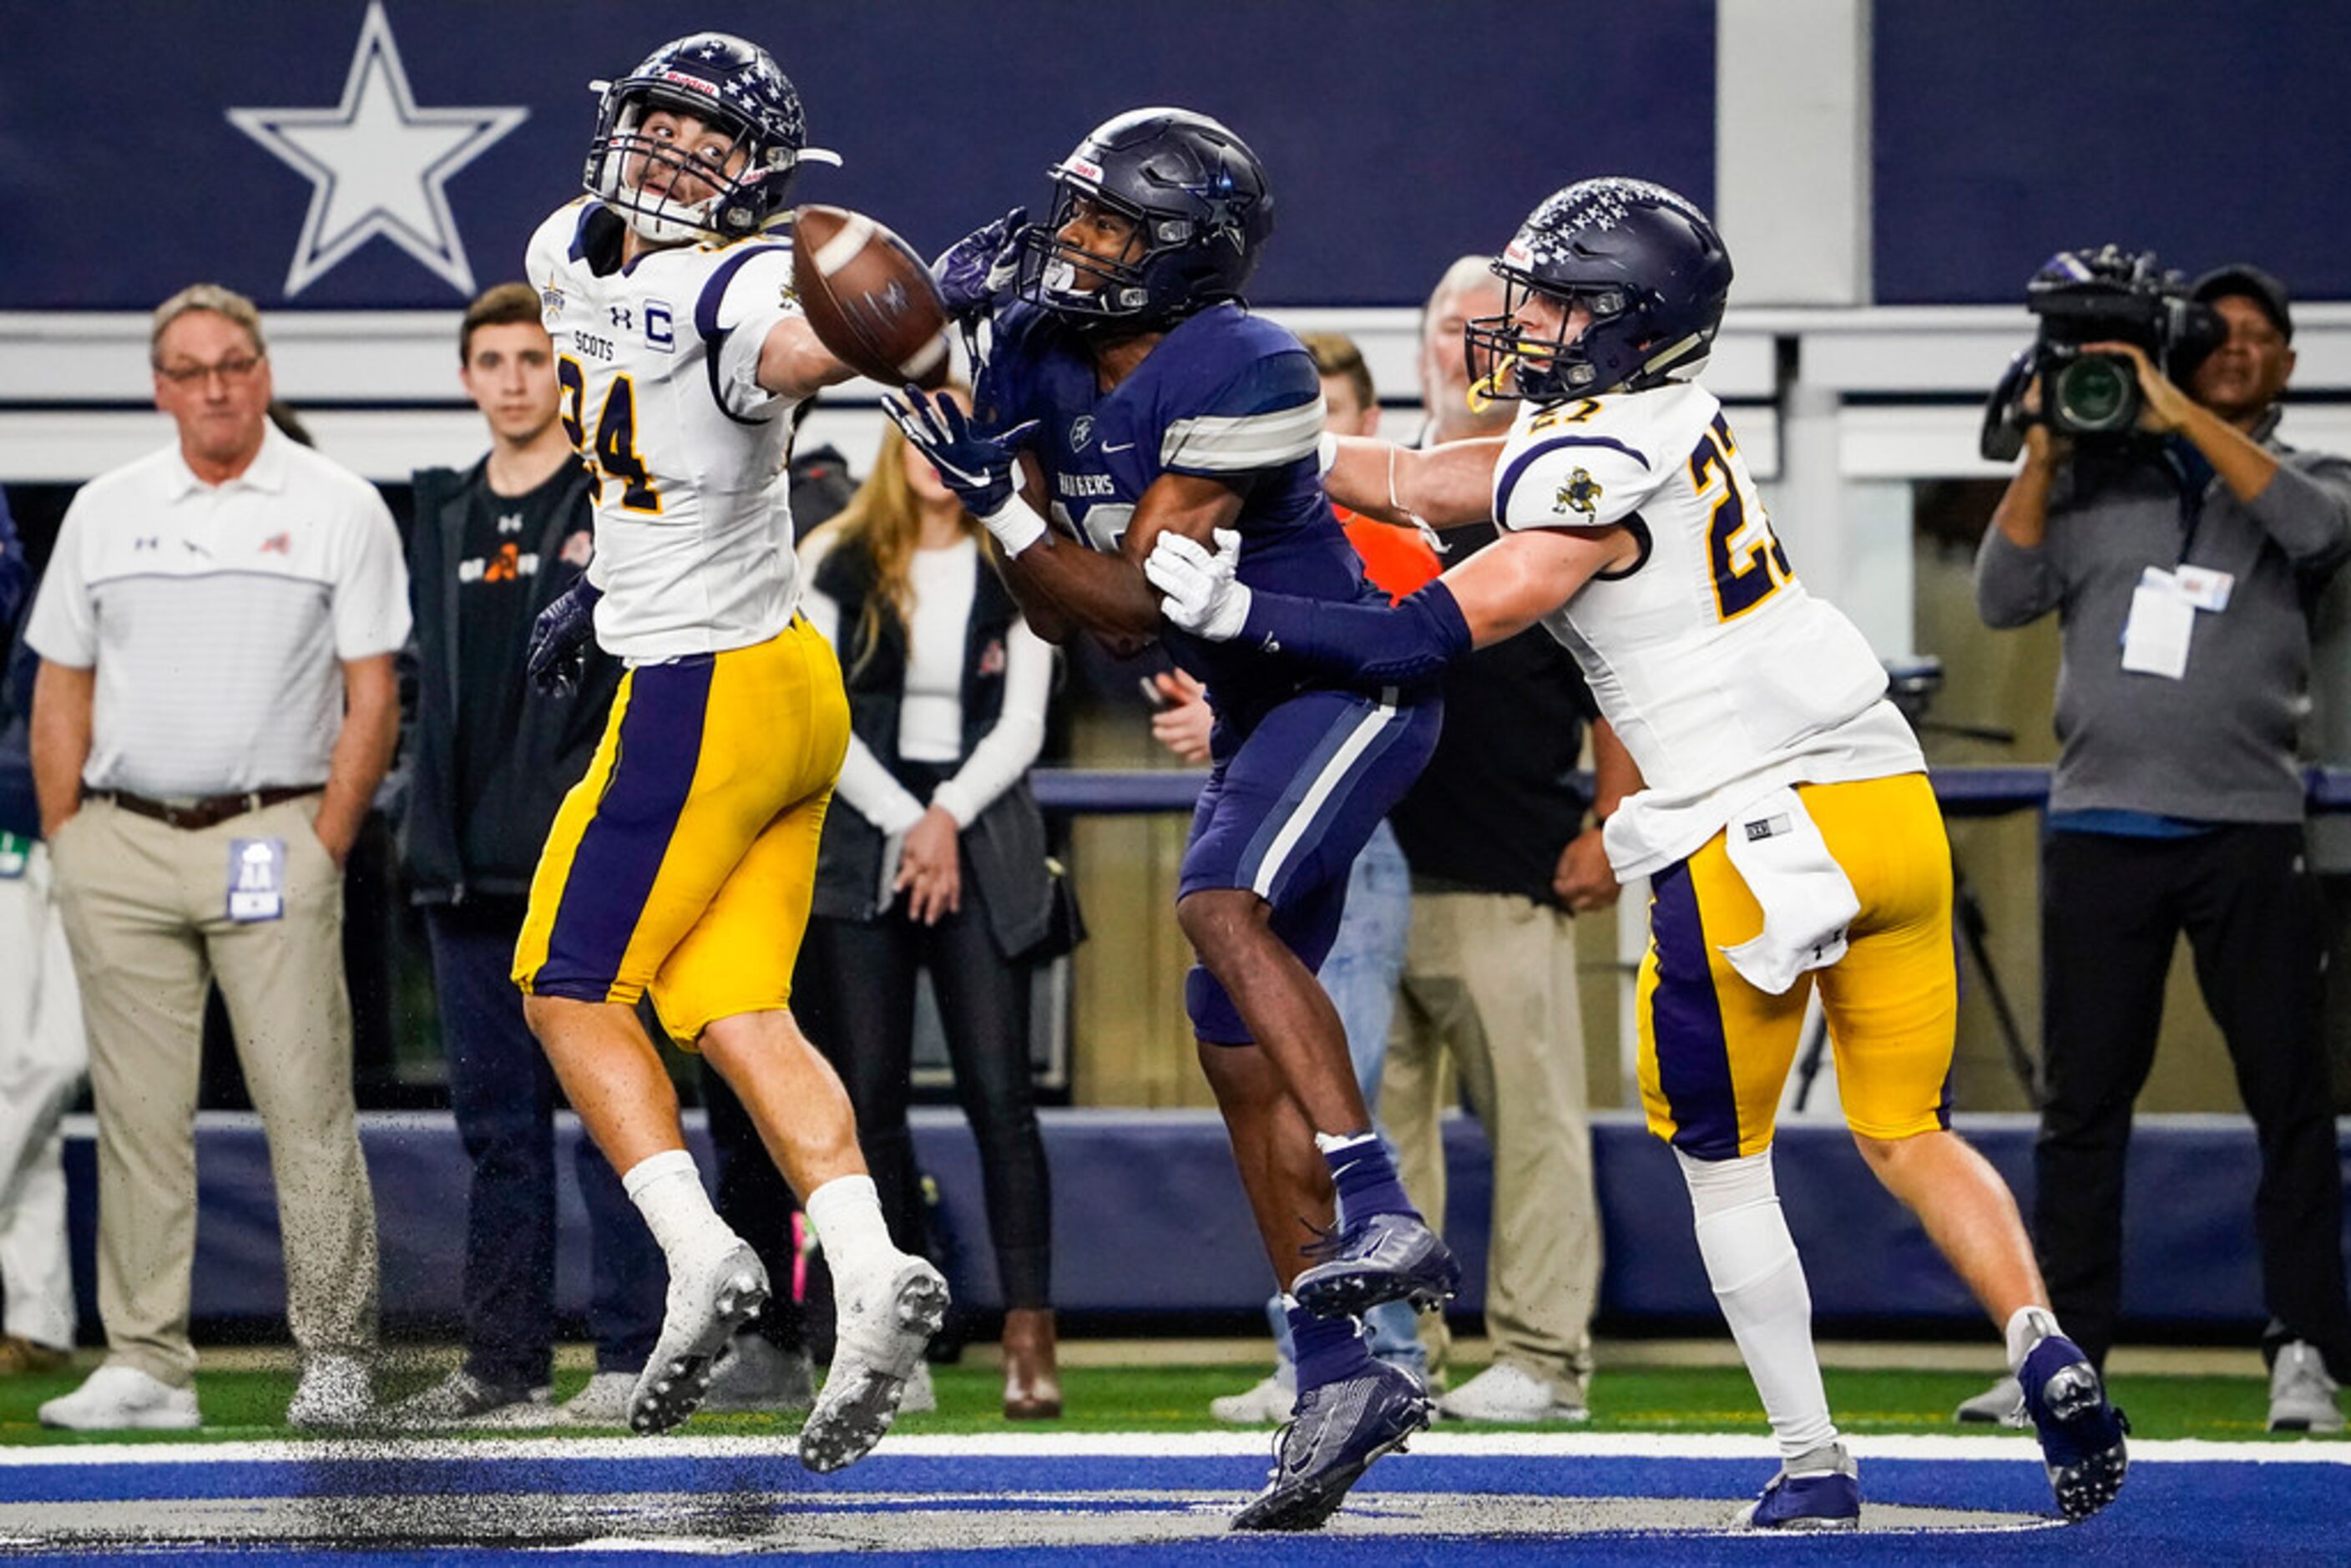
2004 1449
1286 841
837 251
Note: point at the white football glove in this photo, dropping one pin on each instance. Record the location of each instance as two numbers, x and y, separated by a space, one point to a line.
1202 595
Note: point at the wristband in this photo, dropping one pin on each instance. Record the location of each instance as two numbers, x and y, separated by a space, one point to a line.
1014 524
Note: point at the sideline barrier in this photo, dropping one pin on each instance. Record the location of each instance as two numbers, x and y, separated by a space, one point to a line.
1149 1219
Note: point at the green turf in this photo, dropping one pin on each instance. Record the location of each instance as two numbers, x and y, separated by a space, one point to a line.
1629 1398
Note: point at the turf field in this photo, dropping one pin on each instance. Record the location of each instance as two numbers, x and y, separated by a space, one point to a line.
1137 1474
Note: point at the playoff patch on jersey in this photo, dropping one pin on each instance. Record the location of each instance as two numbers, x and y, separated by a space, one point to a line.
1580 494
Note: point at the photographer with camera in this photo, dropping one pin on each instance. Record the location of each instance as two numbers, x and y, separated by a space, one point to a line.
2180 543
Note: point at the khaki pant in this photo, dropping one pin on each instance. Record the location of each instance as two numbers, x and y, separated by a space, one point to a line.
1492 979
145 908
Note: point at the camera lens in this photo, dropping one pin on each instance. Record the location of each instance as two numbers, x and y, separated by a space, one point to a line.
2094 394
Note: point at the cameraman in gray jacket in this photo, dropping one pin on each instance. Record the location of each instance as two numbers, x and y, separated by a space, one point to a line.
2181 562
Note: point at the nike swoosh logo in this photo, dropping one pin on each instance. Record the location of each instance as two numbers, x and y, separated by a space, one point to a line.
1107 447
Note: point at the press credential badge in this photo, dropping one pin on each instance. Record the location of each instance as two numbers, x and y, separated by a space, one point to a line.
256 879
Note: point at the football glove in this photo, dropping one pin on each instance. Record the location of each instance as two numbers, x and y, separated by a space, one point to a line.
977 467
975 272
1201 593
558 640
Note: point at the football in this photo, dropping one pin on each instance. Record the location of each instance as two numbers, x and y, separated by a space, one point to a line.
870 297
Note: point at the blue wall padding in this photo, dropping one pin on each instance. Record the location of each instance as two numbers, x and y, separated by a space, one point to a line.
1149 1218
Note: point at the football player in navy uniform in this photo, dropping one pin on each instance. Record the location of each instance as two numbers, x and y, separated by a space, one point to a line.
1786 822
1129 392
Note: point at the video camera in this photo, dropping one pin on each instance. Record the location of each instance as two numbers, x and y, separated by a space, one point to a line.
2097 296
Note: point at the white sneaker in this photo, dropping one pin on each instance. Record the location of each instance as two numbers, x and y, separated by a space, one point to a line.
883 1321
2301 1397
2002 1403
756 1374
711 1293
1268 1400
334 1392
117 1398
1506 1392
605 1402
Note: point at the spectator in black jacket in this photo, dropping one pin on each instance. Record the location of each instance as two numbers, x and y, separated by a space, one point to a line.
488 762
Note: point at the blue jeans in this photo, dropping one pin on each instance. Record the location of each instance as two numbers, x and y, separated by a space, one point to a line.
502 1094
1360 975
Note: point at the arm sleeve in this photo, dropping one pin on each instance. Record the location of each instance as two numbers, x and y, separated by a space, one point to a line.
1008 749
2308 509
2016 585
865 785
1268 414
371 588
64 624
748 295
1573 480
1412 640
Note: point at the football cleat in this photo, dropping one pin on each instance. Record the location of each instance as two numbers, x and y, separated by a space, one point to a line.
709 1297
2081 1433
1339 1429
877 1349
1818 1489
1380 1258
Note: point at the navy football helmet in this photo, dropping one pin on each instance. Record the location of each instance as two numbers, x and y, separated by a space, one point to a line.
1644 262
727 83
1201 211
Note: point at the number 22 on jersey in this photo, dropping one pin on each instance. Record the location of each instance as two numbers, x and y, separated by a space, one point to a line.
614 453
1748 564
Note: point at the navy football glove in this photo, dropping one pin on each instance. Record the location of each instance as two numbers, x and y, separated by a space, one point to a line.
977 467
975 272
558 640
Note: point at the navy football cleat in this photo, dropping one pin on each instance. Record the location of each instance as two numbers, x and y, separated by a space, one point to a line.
1338 1430
1820 1489
1380 1258
2081 1433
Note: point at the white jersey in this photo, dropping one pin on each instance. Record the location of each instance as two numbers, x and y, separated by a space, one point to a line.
1721 675
659 364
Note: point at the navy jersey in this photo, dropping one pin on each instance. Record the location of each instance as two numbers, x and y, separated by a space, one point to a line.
1225 394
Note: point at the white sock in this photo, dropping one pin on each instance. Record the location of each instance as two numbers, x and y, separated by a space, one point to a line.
2027 1327
846 1213
1759 1280
668 1190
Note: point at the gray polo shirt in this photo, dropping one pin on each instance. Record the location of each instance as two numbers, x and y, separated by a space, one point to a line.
218 617
2218 744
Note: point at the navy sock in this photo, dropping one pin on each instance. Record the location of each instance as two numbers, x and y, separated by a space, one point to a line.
1365 1178
1328 1349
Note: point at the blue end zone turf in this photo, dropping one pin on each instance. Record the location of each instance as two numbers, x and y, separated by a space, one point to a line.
999 1500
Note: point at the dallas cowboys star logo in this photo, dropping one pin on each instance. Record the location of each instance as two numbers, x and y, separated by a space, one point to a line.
376 163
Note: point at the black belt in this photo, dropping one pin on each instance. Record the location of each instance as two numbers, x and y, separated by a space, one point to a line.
208 812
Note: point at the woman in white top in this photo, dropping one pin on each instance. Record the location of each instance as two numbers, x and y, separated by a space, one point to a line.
934 858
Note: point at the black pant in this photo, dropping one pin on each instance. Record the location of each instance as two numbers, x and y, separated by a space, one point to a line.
2112 910
503 1092
870 969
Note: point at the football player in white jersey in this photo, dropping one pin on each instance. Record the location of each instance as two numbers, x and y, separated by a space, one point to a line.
682 867
1786 821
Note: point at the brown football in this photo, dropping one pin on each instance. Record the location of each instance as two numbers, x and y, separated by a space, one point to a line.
868 297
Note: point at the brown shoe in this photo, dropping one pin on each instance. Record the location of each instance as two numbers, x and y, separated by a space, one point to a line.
1033 1383
19 1354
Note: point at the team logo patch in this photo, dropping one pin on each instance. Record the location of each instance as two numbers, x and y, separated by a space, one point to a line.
1081 432
550 302
1580 494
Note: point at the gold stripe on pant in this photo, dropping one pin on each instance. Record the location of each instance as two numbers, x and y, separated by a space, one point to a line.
1492 979
145 907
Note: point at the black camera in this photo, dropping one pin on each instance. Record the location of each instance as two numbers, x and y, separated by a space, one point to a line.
2106 295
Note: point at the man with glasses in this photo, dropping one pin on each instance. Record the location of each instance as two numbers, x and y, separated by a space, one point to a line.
215 707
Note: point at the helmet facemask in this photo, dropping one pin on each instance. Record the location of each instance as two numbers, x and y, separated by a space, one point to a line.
740 204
